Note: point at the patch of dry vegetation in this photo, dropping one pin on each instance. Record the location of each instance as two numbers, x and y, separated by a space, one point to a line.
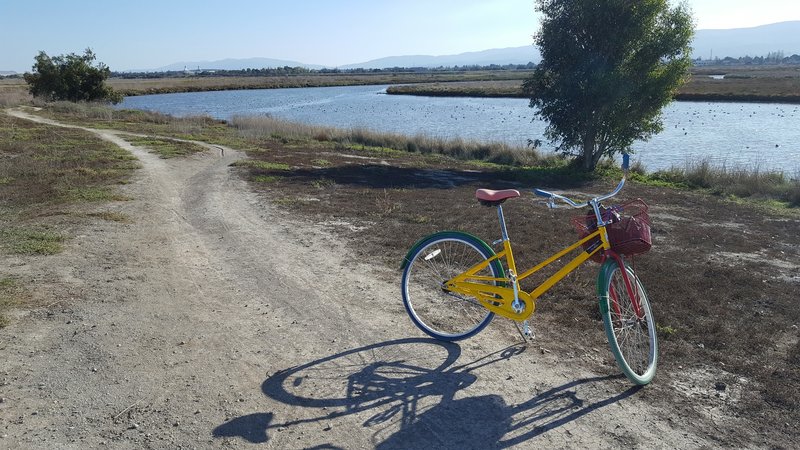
141 86
740 83
51 177
738 182
495 153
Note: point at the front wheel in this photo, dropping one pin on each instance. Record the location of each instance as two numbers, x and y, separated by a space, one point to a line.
434 260
631 333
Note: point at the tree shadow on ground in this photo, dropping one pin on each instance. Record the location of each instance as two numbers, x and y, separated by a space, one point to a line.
410 385
380 176
385 177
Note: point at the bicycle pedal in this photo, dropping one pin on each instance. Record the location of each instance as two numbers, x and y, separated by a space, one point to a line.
525 330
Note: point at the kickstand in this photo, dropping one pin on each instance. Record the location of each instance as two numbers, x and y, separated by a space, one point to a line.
525 331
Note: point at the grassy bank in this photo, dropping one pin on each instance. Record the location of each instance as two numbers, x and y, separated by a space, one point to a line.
526 163
134 86
50 179
733 182
740 84
519 163
495 153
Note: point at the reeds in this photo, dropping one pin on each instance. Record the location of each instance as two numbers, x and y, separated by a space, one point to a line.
737 181
493 152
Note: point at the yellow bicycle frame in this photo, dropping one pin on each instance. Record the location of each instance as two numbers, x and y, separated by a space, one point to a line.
499 297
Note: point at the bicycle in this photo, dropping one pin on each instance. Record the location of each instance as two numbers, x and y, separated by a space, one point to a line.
453 283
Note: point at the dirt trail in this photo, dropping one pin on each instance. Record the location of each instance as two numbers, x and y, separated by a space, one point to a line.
214 319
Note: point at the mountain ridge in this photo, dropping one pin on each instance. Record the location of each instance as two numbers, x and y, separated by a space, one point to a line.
707 44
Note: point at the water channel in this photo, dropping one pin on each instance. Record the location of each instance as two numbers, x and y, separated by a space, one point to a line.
750 135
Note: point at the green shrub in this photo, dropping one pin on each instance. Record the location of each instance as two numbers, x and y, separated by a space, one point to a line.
70 77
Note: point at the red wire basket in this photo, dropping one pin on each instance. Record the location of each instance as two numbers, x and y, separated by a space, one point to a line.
629 234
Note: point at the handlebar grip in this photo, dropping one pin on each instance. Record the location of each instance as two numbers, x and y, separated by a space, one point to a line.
625 161
542 193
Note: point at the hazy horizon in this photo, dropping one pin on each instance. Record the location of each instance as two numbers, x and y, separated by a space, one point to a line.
148 34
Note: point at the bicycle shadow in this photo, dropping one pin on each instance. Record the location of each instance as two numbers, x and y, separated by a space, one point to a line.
411 384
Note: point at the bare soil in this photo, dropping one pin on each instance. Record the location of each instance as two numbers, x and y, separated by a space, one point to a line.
231 312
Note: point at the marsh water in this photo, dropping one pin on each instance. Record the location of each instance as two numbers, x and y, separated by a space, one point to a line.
750 135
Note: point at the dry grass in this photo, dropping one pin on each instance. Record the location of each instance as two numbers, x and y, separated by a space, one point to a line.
260 128
44 165
167 148
764 84
501 88
739 182
128 86
50 177
11 295
779 84
11 98
262 133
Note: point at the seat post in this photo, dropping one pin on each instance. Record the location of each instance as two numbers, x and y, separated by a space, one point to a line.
502 222
517 305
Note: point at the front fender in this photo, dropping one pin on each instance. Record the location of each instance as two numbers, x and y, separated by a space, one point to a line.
602 280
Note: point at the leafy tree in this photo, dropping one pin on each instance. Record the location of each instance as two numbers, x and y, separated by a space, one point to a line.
608 68
70 77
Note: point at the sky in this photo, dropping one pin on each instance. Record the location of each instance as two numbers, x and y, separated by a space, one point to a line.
147 34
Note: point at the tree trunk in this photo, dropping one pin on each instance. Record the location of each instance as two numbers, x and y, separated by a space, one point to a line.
589 144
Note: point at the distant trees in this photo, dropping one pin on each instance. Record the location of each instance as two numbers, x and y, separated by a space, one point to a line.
70 77
772 58
608 68
291 71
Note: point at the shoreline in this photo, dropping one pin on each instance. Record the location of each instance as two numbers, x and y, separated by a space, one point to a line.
680 97
425 90
776 84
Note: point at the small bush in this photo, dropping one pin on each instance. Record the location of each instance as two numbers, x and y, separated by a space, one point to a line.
70 77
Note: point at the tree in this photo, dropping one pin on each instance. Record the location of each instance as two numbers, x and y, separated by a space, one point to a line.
608 68
70 77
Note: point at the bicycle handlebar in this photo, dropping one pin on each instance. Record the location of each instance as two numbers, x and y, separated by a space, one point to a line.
551 196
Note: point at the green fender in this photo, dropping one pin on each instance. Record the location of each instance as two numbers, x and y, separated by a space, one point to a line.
422 241
602 281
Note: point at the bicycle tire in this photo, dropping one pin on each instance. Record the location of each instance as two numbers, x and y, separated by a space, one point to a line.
632 339
431 262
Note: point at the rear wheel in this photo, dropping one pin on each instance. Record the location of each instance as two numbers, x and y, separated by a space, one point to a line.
442 314
631 334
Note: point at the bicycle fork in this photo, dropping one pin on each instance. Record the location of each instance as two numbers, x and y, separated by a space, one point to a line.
632 289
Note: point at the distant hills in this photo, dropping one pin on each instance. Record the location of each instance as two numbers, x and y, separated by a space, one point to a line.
755 41
707 44
235 64
499 56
